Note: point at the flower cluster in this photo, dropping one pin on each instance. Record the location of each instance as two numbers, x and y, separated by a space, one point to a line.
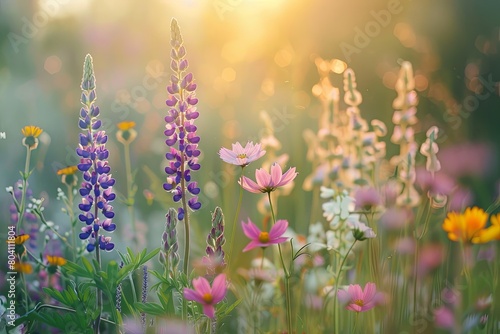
97 186
180 129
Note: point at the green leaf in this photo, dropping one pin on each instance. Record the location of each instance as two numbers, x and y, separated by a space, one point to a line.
150 308
87 265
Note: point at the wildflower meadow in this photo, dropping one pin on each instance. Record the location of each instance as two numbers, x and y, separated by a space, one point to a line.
353 213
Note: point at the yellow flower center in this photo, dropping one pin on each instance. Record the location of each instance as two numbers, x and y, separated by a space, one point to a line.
207 297
359 302
264 237
242 156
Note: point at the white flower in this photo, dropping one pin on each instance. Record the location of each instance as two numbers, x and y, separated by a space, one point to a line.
326 192
361 231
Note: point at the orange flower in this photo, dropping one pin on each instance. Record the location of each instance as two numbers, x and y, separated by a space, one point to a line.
465 226
489 234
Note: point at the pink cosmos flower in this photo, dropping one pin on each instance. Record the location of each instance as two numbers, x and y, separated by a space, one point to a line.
268 182
264 239
241 156
359 300
207 296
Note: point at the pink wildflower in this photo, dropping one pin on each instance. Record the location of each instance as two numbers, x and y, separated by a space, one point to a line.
359 300
242 156
268 182
207 296
264 239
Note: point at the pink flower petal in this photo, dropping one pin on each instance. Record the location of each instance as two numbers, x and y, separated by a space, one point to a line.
276 174
219 288
343 296
278 240
250 230
355 291
193 295
201 285
278 229
287 177
263 178
249 185
254 244
209 311
369 292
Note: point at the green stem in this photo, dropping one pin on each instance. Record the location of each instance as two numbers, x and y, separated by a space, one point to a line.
337 278
288 293
233 229
69 207
355 323
22 206
130 194
97 321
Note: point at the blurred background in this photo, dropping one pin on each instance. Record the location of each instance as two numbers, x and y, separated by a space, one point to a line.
246 56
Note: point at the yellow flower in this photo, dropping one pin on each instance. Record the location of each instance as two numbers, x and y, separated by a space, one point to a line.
464 227
67 170
20 239
126 133
31 133
56 260
489 234
127 125
23 267
68 175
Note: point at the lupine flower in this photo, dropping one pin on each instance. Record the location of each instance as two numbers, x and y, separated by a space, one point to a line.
97 185
126 132
357 299
144 297
31 134
465 226
214 260
180 129
242 156
489 234
207 296
430 149
264 239
118 301
169 255
268 182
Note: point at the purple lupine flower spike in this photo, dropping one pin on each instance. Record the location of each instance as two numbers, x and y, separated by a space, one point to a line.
97 186
180 130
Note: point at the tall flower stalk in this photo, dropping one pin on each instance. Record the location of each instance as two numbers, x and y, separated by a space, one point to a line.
181 136
97 185
126 135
